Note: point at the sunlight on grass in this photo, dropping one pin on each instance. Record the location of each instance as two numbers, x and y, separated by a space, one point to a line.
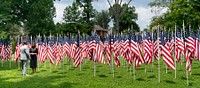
66 76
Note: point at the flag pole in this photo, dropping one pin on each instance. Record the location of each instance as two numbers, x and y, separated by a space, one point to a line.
94 63
134 70
10 52
10 61
79 47
152 54
185 52
2 62
175 52
158 56
111 56
94 56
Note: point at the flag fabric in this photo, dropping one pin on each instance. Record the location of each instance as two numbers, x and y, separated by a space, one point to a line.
78 55
165 52
116 50
107 49
66 47
59 50
17 50
198 45
190 46
179 47
50 52
147 48
99 50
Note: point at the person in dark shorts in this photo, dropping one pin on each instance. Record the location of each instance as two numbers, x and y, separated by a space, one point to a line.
33 54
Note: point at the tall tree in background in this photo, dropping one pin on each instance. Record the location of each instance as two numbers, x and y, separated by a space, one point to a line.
127 20
78 17
88 10
178 11
103 19
40 17
72 14
123 15
34 16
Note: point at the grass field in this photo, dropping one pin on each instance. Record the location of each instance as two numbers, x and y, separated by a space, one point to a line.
68 77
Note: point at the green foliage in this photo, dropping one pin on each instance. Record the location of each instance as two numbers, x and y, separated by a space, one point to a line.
88 11
126 17
77 17
178 11
3 35
33 16
103 19
72 14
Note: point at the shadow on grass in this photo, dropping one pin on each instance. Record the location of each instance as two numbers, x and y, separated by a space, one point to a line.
79 74
39 82
141 68
183 78
140 79
102 76
169 72
152 76
54 71
170 81
86 67
196 74
99 66
6 65
119 77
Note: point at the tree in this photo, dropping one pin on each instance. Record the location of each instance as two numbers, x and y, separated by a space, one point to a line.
72 14
103 19
88 11
116 12
127 20
123 16
179 11
40 17
34 16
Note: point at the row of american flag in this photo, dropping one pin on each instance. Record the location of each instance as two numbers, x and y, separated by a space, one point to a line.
139 48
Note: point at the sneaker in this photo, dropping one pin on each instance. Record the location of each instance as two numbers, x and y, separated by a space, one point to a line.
25 75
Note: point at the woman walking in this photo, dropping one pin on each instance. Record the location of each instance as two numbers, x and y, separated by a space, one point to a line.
33 54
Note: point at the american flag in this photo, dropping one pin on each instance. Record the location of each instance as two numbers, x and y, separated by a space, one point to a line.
198 45
116 50
44 50
66 47
135 49
147 48
190 46
73 45
40 48
155 46
8 51
59 50
92 48
179 45
3 48
99 49
165 52
84 46
50 49
107 51
17 49
78 55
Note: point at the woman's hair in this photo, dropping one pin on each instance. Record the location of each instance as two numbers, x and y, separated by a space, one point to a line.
33 44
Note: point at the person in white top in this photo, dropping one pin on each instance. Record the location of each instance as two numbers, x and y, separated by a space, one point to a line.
24 57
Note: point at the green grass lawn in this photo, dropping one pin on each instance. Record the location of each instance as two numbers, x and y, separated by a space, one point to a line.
68 77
